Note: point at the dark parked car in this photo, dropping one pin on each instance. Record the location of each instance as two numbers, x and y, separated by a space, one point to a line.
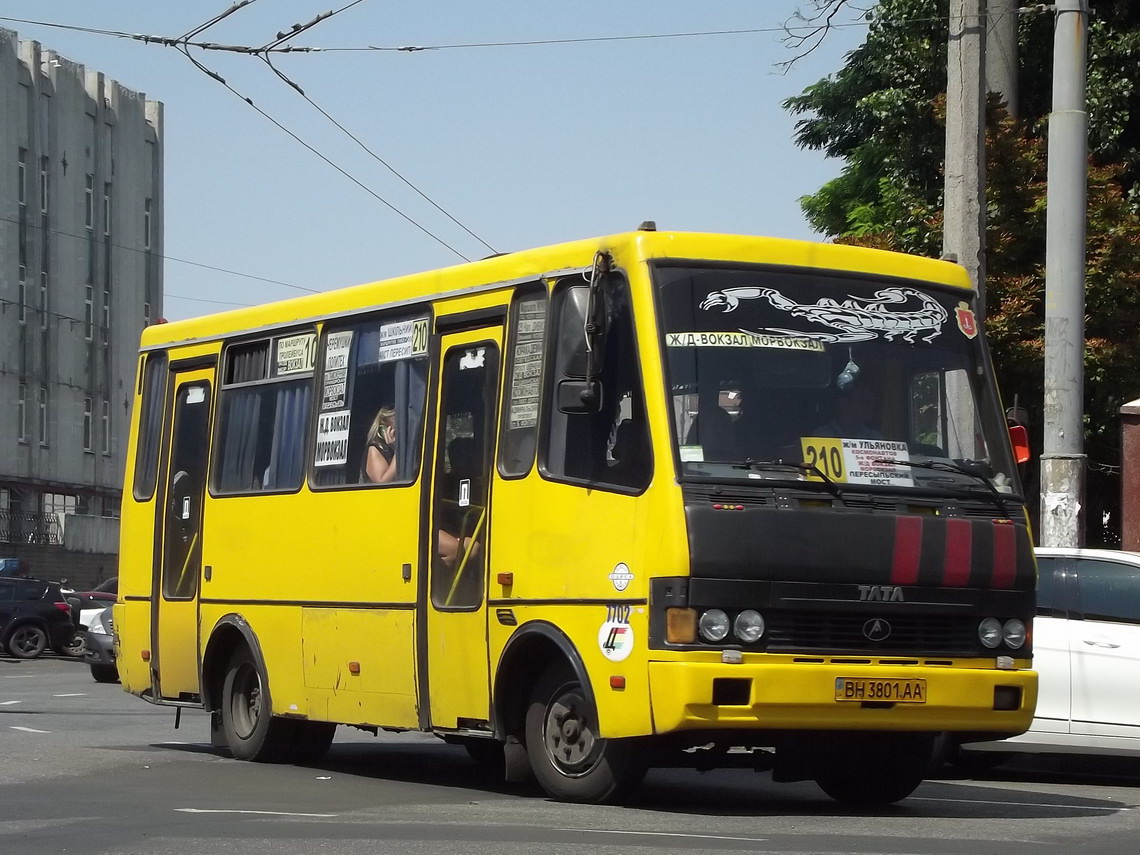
100 650
34 615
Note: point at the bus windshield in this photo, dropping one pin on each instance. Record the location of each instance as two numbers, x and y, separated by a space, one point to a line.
829 377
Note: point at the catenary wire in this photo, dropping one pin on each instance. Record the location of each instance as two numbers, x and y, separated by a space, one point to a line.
373 154
200 264
217 77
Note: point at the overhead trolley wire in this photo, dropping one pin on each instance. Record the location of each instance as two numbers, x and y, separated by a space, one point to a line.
49 230
217 77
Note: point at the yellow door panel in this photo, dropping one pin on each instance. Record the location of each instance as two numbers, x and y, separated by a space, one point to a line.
175 658
459 526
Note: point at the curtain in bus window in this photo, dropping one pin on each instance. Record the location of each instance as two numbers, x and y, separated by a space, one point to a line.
285 456
240 415
411 387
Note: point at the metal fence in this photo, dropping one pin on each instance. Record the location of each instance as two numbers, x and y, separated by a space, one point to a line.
17 527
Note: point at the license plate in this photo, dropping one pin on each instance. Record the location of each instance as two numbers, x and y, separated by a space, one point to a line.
883 691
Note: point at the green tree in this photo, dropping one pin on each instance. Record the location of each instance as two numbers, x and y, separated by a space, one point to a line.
883 113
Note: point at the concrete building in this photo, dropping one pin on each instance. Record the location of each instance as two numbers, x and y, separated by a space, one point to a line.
81 203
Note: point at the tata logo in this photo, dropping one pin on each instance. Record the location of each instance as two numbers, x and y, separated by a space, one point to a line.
880 594
877 629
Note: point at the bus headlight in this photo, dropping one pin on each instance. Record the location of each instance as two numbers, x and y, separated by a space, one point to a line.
713 625
748 626
989 632
1013 633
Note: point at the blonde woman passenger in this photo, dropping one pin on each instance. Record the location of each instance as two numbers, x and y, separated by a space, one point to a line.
380 455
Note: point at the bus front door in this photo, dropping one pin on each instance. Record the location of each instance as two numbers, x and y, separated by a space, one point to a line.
456 615
178 562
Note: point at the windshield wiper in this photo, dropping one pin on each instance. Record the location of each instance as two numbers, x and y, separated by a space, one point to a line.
758 465
970 468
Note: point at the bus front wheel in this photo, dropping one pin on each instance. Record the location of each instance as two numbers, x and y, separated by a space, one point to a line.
570 760
251 731
877 770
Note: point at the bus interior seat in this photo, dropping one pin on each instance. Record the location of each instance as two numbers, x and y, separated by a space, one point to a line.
714 430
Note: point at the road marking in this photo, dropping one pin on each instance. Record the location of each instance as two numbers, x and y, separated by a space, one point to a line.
1017 804
255 812
661 834
72 695
19 676
9 703
28 729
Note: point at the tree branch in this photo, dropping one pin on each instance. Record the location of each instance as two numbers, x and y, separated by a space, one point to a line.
804 32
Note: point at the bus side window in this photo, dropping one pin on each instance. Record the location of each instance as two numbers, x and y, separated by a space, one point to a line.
524 384
265 403
372 394
150 426
610 446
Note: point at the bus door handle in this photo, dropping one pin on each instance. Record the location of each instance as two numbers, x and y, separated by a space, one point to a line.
208 572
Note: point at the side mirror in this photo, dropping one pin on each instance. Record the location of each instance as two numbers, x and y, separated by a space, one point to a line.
1019 439
579 397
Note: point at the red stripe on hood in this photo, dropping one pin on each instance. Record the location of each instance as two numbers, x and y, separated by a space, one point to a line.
959 543
1005 555
908 550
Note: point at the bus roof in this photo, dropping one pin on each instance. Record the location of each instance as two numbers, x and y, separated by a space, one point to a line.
501 270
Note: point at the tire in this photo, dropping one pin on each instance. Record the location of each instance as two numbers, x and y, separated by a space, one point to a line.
311 740
26 641
76 646
251 730
877 770
571 762
105 673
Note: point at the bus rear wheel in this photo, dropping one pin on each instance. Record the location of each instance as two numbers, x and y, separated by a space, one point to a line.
251 731
569 759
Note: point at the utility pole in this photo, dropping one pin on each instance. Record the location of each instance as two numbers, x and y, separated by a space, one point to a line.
964 197
1001 52
1063 460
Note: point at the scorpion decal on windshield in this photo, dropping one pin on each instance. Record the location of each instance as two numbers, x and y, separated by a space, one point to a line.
854 319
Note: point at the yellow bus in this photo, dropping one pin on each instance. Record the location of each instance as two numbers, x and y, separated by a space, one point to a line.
654 498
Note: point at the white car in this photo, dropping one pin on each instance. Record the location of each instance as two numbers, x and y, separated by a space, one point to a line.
1086 649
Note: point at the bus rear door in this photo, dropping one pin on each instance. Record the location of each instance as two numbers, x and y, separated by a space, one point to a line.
178 546
457 652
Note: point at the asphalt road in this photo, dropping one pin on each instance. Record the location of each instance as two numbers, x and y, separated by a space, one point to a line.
85 768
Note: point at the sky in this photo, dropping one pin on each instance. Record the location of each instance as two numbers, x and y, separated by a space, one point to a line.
524 145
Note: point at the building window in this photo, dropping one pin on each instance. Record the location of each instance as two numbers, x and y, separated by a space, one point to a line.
43 300
89 313
106 309
21 414
43 185
22 178
43 415
88 444
22 295
106 426
89 203
146 314
107 208
146 224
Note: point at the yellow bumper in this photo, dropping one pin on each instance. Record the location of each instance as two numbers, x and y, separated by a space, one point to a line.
802 696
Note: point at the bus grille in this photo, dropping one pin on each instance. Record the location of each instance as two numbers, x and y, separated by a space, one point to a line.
909 634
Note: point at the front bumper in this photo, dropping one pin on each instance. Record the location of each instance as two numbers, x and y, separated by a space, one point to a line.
801 696
99 649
